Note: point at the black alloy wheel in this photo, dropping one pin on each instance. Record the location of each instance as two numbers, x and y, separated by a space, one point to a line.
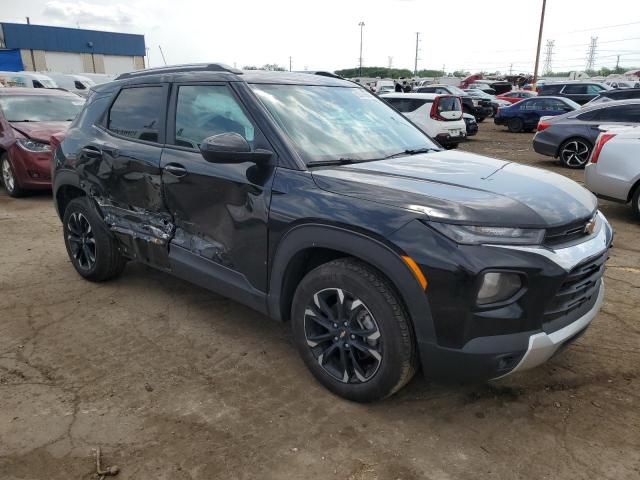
343 335
82 241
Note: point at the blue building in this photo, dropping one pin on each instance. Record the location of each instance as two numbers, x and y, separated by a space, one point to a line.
68 50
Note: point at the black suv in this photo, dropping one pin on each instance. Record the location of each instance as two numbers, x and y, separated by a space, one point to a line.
579 92
310 200
480 108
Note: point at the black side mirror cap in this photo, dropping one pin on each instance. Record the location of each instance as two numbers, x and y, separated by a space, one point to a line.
231 147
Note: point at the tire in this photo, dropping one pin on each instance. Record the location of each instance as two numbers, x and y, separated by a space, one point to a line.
378 327
451 146
9 179
91 247
515 125
574 153
635 202
480 119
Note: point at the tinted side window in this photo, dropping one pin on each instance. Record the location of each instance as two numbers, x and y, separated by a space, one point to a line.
594 89
79 85
37 84
575 89
206 110
551 89
530 104
623 113
137 113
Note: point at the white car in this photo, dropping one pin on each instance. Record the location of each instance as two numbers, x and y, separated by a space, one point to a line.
613 171
27 80
439 116
78 84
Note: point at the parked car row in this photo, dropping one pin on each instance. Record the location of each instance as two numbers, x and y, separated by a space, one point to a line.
79 84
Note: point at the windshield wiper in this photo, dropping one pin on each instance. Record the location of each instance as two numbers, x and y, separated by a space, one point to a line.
411 151
329 163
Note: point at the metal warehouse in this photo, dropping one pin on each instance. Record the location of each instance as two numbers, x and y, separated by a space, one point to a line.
68 50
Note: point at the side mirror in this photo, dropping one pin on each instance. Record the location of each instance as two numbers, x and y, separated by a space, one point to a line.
231 147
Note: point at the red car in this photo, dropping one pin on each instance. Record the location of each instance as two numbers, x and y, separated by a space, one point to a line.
515 96
28 118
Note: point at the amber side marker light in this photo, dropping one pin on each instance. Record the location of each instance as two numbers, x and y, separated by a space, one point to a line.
413 266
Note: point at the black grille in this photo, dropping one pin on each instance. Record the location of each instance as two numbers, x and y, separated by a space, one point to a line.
576 294
566 233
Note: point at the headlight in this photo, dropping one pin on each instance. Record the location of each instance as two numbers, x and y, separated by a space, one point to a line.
498 286
475 235
33 146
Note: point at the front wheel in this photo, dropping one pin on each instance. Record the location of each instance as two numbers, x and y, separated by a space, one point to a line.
92 248
635 202
9 178
352 331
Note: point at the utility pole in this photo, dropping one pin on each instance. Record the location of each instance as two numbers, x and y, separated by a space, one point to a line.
162 53
415 66
361 25
591 53
28 21
548 56
289 62
535 68
510 69
617 63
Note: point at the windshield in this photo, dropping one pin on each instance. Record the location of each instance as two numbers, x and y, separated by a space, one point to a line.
331 123
40 108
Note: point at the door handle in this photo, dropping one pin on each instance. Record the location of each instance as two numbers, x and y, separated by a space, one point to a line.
175 169
91 151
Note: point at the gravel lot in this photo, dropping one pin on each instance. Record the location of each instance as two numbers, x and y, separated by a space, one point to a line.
174 382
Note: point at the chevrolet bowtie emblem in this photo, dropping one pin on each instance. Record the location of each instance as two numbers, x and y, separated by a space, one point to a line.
590 226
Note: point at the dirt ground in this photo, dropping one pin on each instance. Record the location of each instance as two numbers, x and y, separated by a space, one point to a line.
174 382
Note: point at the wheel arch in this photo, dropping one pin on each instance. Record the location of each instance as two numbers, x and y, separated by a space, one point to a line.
66 187
633 190
308 246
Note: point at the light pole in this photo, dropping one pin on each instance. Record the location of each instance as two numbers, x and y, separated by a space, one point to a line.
535 69
361 25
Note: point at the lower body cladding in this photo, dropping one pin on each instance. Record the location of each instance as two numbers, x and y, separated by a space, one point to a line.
558 293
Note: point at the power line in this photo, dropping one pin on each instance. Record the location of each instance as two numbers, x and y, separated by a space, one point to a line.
602 28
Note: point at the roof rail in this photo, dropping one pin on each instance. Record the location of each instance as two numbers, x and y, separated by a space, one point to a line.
194 67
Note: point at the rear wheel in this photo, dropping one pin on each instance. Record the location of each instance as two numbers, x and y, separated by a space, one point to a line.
515 125
352 331
574 153
91 247
9 177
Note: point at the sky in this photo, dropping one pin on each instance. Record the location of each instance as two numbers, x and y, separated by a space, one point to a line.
473 35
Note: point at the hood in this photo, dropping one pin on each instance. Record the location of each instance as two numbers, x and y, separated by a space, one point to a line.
464 188
40 131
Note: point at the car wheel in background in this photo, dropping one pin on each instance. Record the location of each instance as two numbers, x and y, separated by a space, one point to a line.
515 125
635 202
352 331
9 178
574 153
91 247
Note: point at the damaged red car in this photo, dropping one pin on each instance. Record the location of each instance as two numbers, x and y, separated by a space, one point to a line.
28 119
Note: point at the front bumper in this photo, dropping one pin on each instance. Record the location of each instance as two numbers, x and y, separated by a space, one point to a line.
32 169
543 346
562 294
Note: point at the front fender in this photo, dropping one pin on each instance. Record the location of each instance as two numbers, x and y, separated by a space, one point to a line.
382 256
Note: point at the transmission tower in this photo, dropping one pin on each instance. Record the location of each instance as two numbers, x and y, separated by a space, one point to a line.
591 53
548 56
